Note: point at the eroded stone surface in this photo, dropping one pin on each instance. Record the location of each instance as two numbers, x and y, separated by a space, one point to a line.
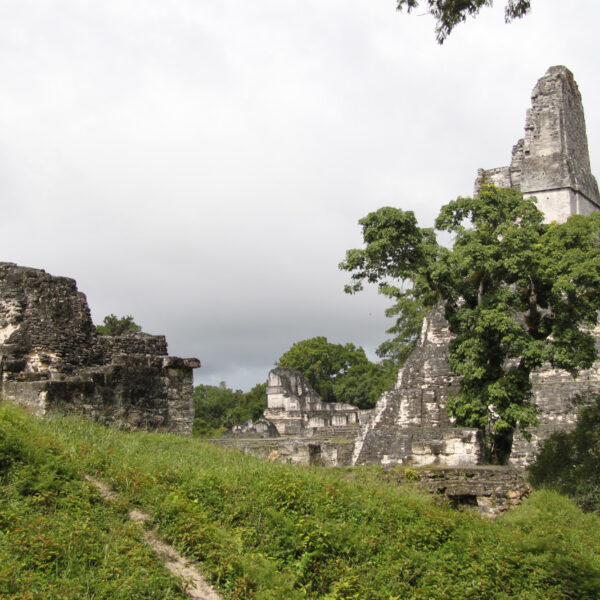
489 489
324 452
52 359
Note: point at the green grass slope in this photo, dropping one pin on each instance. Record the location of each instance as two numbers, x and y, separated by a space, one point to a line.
260 530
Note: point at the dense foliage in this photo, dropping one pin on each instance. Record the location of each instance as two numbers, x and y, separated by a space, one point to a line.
339 372
570 462
113 325
517 293
449 13
263 531
218 408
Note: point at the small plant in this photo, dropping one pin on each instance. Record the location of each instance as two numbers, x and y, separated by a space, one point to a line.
411 474
113 325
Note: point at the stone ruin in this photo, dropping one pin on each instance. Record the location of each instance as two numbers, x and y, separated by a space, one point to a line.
295 408
410 424
297 426
53 360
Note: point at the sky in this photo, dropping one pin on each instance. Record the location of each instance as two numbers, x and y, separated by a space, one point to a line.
202 165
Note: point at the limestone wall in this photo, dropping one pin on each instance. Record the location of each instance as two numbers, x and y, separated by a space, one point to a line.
132 342
554 393
45 323
489 489
293 450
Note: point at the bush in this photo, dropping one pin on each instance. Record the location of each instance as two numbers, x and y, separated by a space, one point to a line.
570 462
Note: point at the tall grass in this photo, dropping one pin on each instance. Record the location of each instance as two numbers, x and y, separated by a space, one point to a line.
272 531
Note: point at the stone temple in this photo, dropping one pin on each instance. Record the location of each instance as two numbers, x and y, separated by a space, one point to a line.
552 162
52 359
410 424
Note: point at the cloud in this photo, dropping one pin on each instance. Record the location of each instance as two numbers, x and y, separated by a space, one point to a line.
203 166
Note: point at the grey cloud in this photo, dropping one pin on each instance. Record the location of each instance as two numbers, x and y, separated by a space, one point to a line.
203 165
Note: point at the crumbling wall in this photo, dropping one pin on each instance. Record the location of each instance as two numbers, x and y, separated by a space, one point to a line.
489 489
555 393
132 342
292 450
52 359
45 323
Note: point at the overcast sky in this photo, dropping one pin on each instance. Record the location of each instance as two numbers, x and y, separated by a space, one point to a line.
202 164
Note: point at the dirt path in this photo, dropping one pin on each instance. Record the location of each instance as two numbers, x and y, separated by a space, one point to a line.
194 584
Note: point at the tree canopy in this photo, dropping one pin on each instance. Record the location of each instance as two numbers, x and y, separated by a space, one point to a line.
449 13
218 407
517 293
339 372
113 325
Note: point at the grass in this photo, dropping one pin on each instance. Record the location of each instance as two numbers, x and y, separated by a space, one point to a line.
58 539
260 530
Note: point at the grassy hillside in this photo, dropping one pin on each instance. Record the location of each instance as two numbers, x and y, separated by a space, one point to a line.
260 530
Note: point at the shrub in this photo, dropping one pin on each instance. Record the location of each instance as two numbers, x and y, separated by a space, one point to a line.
570 462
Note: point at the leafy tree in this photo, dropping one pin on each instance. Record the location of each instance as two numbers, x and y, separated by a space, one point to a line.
113 325
570 462
449 13
364 382
339 373
409 313
218 408
517 293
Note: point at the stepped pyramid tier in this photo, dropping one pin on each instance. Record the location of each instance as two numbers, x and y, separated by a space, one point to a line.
551 161
410 424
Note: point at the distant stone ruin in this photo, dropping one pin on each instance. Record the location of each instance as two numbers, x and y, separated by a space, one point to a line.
52 359
295 408
410 424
